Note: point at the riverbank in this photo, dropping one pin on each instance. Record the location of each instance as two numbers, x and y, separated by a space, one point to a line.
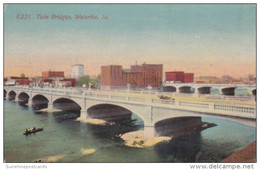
245 155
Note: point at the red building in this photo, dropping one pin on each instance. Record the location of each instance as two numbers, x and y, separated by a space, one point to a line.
71 82
23 82
137 76
188 78
179 76
46 80
18 80
52 74
56 78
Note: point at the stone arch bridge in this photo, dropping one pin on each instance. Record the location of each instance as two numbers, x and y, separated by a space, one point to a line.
224 89
151 111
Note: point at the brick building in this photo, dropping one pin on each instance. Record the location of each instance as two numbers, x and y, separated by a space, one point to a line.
56 78
13 80
52 74
179 76
137 76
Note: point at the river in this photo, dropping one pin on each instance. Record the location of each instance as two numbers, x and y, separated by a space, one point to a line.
67 140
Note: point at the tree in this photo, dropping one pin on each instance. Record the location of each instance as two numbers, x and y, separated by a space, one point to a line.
83 80
22 75
88 80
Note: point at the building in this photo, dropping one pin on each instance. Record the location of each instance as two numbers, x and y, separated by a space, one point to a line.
5 80
52 74
226 79
179 76
13 80
68 82
56 78
188 77
207 80
77 70
137 76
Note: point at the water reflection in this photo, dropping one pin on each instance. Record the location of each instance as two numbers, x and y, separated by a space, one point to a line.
65 116
114 128
180 149
37 107
210 151
23 105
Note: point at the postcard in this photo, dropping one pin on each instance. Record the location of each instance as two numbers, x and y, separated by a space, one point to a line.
130 83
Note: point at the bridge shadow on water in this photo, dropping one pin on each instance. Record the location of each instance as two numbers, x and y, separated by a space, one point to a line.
194 148
65 116
24 105
37 107
181 149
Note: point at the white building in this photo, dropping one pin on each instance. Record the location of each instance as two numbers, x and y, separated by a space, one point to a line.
77 70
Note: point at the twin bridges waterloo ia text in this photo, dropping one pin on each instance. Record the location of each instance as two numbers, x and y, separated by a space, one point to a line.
69 17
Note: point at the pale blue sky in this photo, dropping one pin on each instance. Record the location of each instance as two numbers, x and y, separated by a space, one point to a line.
205 39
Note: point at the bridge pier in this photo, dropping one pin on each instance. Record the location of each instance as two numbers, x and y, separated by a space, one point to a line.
30 102
177 90
196 92
50 107
83 114
16 99
149 131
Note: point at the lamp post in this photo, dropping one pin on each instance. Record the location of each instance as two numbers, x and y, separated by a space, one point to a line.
89 86
128 87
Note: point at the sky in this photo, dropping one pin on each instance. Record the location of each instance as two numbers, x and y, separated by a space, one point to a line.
206 39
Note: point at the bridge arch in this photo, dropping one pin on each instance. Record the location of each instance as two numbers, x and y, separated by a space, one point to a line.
169 89
66 104
122 107
204 90
39 99
12 95
185 89
23 97
5 93
230 91
254 92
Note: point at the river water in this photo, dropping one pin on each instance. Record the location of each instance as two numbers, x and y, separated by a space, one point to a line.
63 140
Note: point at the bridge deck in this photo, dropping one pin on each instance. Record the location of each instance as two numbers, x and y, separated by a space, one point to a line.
200 104
201 98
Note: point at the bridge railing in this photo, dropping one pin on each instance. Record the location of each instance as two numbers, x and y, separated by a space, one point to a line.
245 111
224 107
118 97
137 99
163 101
194 104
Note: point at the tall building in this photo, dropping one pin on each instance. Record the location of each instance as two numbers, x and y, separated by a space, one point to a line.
179 76
77 70
137 76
